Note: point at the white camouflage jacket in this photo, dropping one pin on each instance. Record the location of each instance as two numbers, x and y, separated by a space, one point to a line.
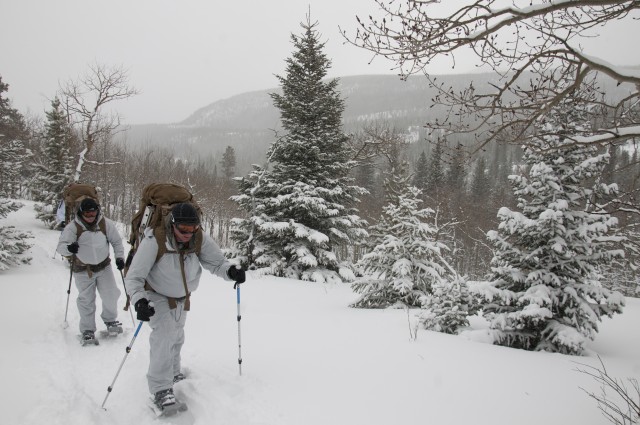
164 276
93 244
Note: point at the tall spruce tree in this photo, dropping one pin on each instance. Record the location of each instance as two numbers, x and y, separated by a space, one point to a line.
56 171
545 288
303 208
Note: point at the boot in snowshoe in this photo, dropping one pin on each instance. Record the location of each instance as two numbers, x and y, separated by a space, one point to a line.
88 338
179 377
113 328
166 404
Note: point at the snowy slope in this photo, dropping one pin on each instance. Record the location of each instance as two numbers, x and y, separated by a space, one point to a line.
308 359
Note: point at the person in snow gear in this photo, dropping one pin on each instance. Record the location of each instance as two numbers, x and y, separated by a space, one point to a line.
160 290
85 241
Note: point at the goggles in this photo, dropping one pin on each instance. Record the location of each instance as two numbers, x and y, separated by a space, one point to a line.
89 213
187 229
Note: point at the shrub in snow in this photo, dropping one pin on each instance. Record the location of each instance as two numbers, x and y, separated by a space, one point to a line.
447 308
13 242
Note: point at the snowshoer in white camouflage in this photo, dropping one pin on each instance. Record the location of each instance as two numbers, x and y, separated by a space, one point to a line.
160 290
86 242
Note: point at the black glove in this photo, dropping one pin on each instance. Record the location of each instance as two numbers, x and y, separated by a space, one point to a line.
144 310
236 274
73 248
120 263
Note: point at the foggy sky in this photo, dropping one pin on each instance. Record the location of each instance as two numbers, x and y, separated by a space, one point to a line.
185 54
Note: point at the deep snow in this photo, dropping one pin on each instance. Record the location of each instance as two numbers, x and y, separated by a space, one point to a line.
308 359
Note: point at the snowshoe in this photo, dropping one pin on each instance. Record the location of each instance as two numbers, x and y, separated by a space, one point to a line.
165 403
113 328
179 377
88 338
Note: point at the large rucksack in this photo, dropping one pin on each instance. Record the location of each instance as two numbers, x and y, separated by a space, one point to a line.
156 203
73 195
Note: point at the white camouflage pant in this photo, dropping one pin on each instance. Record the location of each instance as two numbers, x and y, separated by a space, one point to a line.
165 342
104 282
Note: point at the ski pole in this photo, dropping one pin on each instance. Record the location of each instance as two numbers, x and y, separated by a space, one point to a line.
128 349
73 260
237 286
125 293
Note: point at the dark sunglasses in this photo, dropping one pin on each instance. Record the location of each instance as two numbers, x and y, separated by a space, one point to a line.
187 229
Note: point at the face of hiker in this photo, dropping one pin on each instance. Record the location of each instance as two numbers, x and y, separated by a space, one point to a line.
184 232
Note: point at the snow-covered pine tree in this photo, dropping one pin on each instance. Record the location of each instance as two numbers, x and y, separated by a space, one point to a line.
13 242
13 154
407 260
56 170
306 199
446 309
253 189
544 292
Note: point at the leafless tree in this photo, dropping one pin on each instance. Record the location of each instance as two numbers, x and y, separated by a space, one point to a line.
532 46
376 140
618 401
87 100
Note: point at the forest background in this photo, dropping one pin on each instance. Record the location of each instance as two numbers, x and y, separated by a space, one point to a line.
221 141
465 184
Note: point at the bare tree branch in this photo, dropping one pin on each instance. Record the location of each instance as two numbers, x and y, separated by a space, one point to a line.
86 100
531 49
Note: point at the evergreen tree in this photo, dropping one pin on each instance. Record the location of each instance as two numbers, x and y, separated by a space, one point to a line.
306 200
228 163
436 176
366 177
407 261
545 290
421 172
13 242
447 308
480 185
12 149
456 174
56 172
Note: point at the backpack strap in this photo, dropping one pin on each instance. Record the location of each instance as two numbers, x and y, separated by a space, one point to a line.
79 265
161 238
101 225
187 301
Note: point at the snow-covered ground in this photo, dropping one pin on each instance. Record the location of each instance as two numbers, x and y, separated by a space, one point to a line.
308 359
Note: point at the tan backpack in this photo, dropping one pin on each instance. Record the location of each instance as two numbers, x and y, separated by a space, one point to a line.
73 195
156 203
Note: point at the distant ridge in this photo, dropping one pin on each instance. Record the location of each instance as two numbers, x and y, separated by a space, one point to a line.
247 121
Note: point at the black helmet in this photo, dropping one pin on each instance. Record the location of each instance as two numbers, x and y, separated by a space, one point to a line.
184 213
88 204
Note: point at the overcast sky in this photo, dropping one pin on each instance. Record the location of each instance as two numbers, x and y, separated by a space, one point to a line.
185 54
